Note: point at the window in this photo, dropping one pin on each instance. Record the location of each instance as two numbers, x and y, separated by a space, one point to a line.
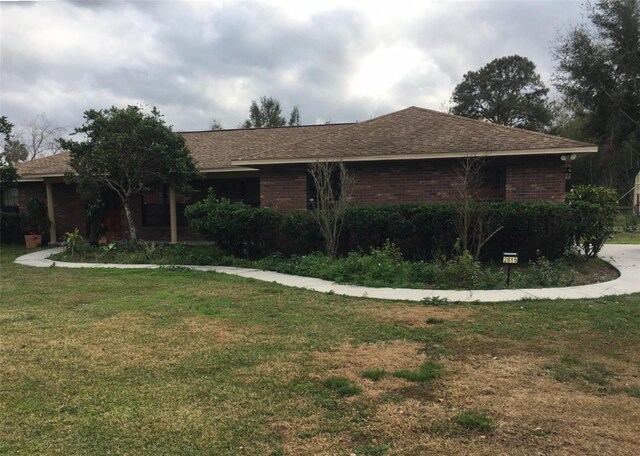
493 182
155 208
10 199
312 191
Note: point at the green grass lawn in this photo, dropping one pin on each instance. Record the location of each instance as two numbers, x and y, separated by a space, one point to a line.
625 237
182 362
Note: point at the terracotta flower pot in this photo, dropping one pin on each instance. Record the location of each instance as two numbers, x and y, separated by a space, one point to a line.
32 240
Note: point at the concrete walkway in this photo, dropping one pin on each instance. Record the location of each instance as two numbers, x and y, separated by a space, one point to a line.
624 257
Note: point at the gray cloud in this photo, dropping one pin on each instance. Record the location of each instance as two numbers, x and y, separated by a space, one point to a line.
196 61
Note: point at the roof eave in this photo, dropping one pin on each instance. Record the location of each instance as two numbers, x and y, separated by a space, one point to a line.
431 156
234 169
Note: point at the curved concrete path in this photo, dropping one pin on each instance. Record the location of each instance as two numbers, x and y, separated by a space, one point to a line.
624 257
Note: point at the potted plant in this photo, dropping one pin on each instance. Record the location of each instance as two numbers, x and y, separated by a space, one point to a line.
35 221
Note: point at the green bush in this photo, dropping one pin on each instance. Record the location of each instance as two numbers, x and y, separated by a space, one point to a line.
420 231
594 211
460 272
10 229
236 227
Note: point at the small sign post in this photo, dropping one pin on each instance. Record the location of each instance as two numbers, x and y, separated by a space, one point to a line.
509 258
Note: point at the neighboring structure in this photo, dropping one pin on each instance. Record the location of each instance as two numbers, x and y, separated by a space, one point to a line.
407 156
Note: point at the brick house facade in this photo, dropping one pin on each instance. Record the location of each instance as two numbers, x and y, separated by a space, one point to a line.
409 156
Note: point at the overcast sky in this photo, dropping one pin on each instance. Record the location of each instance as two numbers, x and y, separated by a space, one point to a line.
195 61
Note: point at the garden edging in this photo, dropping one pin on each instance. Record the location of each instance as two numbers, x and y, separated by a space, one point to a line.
625 257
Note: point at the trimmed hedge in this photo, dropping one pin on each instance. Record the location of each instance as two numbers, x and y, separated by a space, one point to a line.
421 231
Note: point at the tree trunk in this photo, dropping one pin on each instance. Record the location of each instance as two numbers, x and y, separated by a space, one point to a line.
132 228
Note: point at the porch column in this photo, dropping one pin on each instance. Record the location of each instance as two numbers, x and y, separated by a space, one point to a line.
51 213
172 215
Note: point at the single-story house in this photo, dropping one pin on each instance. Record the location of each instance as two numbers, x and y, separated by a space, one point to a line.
412 155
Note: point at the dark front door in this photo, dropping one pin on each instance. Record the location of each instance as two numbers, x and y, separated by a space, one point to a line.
112 219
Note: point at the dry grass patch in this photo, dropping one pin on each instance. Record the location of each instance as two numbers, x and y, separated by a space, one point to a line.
414 316
135 340
536 411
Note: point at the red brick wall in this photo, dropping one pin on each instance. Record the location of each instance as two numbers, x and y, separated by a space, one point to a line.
527 179
69 211
403 182
283 187
535 178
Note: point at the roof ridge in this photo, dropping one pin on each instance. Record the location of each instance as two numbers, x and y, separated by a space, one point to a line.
486 122
268 128
352 124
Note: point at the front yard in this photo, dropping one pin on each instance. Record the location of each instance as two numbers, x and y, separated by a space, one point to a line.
182 362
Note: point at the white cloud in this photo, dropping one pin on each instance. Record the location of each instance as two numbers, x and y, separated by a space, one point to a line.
195 61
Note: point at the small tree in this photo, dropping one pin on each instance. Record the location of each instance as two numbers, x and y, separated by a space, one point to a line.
334 186
127 150
472 222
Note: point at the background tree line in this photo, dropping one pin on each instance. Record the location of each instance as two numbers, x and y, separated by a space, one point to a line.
597 76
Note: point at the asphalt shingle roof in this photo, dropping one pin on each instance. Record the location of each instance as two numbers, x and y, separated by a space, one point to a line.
414 131
411 131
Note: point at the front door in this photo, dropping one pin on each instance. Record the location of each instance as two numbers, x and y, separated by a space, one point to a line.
112 218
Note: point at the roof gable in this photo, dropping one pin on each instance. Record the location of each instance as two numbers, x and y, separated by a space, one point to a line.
412 132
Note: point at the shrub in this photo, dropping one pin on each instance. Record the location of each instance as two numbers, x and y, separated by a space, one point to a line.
299 234
594 210
10 229
235 227
417 231
460 272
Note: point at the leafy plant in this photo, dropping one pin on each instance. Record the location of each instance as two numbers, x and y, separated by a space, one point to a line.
71 240
460 272
111 247
149 249
36 220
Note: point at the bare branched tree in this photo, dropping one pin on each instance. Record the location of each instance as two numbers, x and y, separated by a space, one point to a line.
40 136
472 223
334 186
